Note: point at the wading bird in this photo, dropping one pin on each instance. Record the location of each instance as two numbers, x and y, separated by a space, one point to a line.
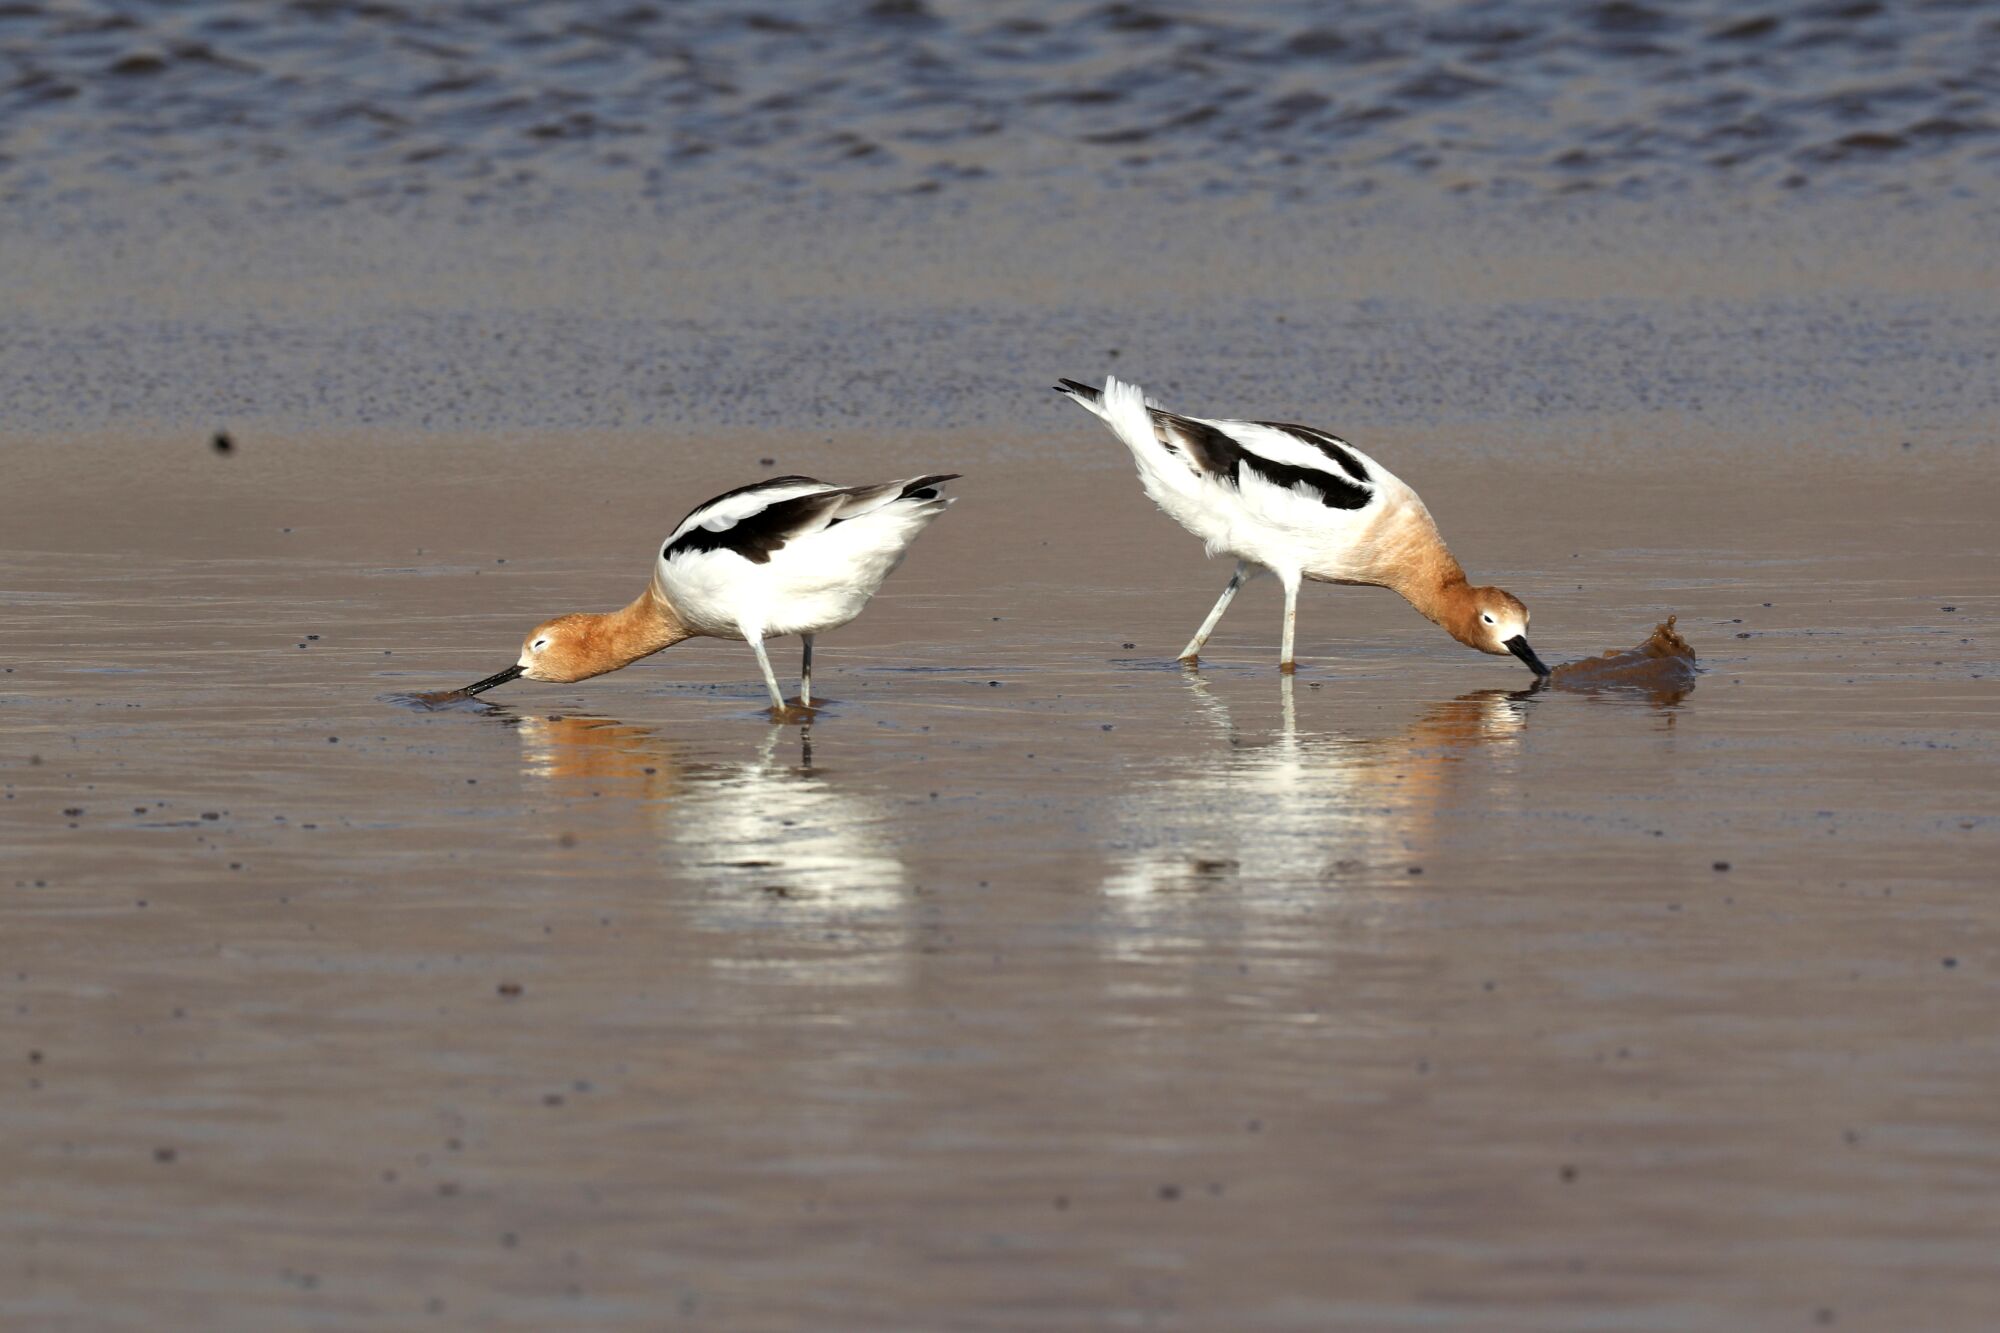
1302 504
786 556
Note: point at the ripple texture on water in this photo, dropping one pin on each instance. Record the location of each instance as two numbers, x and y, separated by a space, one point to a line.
325 101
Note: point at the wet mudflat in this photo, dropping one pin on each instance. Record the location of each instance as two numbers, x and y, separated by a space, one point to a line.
1037 984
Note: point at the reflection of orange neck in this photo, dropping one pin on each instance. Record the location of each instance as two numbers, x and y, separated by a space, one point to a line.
596 748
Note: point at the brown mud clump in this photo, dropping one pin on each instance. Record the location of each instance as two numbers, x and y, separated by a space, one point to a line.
441 701
1663 666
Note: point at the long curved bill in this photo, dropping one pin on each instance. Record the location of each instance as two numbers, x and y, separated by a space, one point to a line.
1518 645
499 679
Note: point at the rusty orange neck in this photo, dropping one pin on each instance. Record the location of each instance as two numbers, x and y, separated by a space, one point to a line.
1436 585
641 628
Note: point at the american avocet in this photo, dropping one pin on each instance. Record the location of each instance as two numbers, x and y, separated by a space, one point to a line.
786 556
1305 505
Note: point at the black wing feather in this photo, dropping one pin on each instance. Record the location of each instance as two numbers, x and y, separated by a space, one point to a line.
769 483
760 535
1218 453
1331 445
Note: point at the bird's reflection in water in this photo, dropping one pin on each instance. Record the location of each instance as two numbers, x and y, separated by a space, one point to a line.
1292 808
800 877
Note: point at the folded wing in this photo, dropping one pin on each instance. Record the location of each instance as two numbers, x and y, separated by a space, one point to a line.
759 520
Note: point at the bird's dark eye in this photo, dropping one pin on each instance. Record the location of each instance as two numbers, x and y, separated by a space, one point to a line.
541 643
1487 619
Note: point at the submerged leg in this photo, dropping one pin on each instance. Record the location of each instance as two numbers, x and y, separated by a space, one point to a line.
806 672
1190 654
756 642
1286 663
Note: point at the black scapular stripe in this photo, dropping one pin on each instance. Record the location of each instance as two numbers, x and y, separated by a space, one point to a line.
762 534
1218 453
769 483
1331 445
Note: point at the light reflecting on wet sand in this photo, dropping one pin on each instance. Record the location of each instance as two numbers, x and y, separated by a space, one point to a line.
766 845
1292 806
1037 978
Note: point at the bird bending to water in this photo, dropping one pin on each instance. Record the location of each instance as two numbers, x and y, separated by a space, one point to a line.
1305 505
786 556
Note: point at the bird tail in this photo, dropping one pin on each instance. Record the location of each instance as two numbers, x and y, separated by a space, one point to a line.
926 488
1083 395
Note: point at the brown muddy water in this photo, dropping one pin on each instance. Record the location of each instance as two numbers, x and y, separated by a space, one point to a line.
1036 984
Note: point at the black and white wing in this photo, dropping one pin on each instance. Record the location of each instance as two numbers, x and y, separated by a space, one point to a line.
759 520
1292 458
1299 459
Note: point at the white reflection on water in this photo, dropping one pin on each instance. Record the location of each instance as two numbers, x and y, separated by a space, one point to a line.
799 877
1287 807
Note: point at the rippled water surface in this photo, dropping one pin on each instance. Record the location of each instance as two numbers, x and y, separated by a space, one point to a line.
319 101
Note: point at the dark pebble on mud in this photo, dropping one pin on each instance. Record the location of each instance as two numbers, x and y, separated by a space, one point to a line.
510 989
1416 870
333 740
1062 1203
767 462
1129 645
1947 608
1949 962
34 1057
164 1154
211 814
73 811
1170 1192
994 684
221 443
1722 865
1567 1173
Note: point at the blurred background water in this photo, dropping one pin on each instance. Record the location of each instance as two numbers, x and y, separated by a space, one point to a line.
321 103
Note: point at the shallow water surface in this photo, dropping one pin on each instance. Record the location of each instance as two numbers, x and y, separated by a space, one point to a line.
1037 983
